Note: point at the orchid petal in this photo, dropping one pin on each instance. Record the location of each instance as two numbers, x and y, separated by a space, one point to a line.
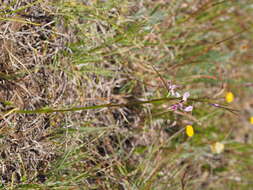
186 95
188 108
177 95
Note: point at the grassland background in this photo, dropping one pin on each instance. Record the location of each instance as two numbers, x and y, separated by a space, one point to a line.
73 78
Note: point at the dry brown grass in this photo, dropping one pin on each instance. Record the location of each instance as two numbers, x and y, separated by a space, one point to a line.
30 41
28 44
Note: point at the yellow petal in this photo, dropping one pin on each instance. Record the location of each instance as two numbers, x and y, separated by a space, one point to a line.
229 97
217 147
189 130
251 120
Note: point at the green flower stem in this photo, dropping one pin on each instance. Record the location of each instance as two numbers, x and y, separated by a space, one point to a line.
134 103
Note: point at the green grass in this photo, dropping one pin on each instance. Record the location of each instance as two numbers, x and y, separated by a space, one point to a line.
109 124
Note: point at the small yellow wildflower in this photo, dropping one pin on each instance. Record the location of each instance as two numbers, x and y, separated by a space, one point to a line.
217 148
251 120
189 130
229 97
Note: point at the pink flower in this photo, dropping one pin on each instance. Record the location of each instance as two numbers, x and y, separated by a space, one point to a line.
188 108
172 89
185 96
177 95
174 107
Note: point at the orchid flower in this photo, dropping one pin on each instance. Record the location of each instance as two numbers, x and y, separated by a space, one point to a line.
180 106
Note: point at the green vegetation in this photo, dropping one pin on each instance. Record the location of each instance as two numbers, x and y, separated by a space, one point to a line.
87 95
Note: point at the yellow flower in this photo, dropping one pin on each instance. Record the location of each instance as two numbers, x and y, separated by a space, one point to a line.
189 130
229 97
217 148
251 120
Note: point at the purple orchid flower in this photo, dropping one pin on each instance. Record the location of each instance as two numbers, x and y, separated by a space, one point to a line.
186 96
188 108
179 105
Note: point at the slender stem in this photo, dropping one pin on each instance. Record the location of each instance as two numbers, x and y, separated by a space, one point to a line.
134 103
